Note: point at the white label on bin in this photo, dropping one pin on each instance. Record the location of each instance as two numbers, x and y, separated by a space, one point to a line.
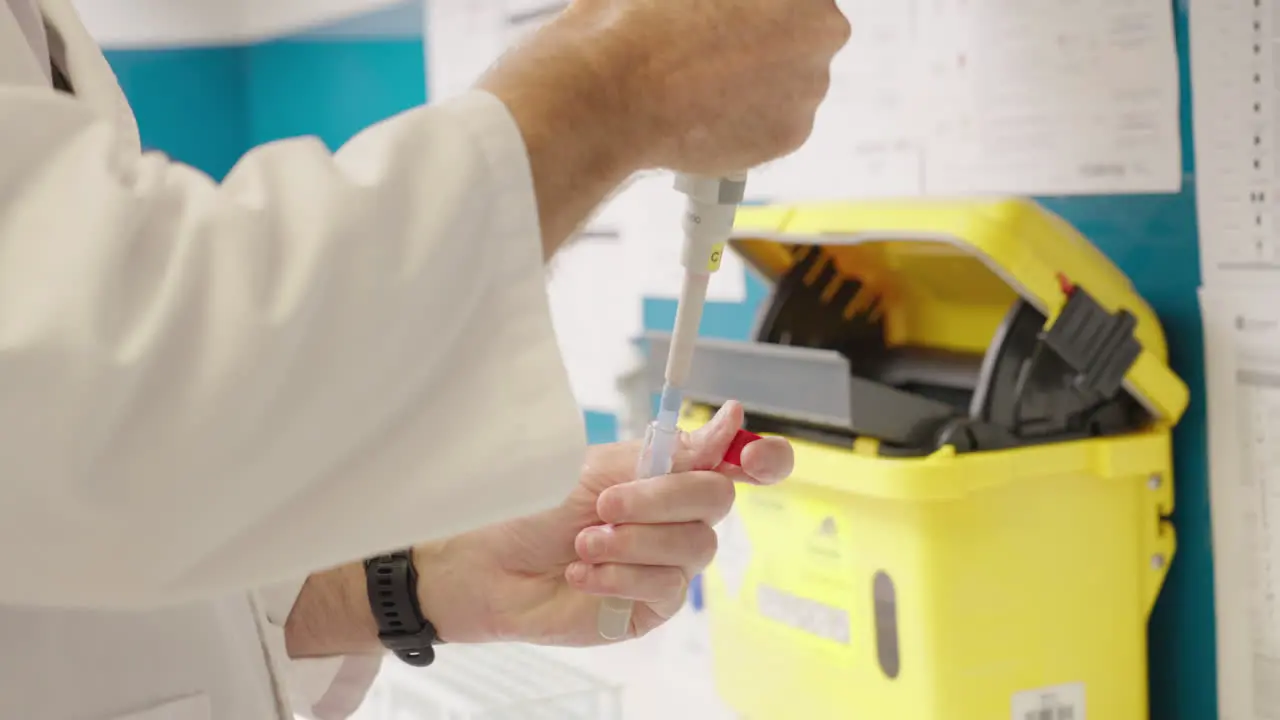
1061 702
803 614
734 554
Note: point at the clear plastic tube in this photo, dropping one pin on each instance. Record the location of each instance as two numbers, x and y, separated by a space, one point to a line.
614 621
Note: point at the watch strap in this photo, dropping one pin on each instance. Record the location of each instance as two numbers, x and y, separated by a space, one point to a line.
393 597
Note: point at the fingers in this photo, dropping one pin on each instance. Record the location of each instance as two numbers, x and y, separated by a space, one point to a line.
701 496
704 448
768 460
689 546
838 31
764 462
665 585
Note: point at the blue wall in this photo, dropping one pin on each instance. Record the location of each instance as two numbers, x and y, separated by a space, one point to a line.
331 88
207 106
188 102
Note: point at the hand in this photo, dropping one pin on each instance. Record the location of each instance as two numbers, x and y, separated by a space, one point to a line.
720 85
540 579
611 87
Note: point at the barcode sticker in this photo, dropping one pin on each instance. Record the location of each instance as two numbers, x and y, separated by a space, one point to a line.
1060 702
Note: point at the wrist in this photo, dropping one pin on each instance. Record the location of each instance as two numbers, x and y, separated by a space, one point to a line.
567 92
332 616
447 593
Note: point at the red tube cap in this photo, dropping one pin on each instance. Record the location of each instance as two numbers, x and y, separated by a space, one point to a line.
733 455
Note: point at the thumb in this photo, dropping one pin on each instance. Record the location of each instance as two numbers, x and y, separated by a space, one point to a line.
704 448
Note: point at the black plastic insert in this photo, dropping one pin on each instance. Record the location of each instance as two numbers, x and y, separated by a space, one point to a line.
1033 384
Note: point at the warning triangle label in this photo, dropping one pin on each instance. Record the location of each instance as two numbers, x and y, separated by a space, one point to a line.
828 527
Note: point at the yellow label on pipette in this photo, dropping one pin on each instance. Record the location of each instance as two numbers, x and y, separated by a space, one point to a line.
713 260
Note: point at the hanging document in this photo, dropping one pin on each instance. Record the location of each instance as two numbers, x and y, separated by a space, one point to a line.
1242 340
1048 97
1236 81
962 97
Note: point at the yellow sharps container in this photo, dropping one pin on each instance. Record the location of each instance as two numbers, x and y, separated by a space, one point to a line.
977 527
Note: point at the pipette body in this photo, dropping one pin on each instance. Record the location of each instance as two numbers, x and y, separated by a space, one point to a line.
708 223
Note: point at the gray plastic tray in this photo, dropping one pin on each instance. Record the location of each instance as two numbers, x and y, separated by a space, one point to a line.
806 385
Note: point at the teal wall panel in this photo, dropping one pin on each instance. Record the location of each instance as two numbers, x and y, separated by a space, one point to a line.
722 320
331 89
190 102
601 427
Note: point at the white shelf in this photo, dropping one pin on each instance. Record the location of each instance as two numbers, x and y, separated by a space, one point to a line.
504 681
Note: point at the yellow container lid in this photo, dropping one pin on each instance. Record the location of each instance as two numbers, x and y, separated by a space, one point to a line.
948 271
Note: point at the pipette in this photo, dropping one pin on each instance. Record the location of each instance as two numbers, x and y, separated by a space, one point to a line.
708 223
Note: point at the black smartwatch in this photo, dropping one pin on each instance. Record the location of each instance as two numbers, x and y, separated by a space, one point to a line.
393 596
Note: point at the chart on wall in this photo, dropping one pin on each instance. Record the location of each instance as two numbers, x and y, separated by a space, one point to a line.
1242 330
945 97
1026 97
1236 78
1237 126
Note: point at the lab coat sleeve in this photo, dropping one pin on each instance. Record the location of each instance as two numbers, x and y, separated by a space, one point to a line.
325 688
206 387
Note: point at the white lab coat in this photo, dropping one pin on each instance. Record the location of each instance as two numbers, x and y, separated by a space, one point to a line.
209 391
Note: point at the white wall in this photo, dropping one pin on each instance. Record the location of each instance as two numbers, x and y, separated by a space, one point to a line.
120 24
268 18
405 19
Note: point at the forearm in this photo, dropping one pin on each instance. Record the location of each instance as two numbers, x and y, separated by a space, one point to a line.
567 94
